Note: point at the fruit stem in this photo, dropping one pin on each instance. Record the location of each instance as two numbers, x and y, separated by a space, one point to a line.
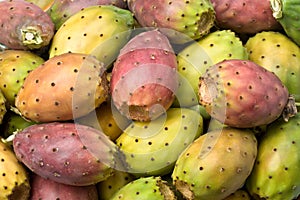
276 6
31 37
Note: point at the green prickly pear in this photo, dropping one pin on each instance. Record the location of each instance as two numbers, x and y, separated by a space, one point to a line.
107 188
3 109
24 25
145 188
15 65
67 153
98 30
151 148
197 57
14 179
65 87
286 12
242 94
275 173
216 174
286 64
182 21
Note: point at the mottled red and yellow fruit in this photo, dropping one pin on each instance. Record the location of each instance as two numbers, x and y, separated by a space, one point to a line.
240 93
65 87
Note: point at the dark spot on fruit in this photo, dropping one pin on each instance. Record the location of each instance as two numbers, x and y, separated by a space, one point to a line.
274 149
56 103
75 70
149 143
52 84
136 140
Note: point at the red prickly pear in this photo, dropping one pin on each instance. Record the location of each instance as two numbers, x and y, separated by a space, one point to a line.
67 153
144 78
245 16
182 21
24 25
42 188
242 94
61 10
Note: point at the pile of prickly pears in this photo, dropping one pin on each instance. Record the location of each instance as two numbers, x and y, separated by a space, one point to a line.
149 100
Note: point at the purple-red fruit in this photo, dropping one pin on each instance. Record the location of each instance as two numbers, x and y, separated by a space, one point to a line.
62 10
42 188
245 16
67 153
144 77
24 25
242 94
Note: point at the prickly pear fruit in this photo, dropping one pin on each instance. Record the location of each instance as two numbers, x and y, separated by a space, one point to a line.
67 153
66 86
145 188
194 59
151 148
239 195
14 122
144 76
14 181
182 21
286 64
106 30
220 172
42 188
44 5
112 184
286 12
241 93
24 25
62 10
107 119
14 68
245 16
3 109
275 173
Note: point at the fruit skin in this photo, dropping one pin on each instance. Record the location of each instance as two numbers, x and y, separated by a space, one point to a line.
286 12
61 10
65 87
152 148
24 25
107 119
239 195
42 188
144 76
14 181
221 171
194 59
3 109
242 94
275 173
286 64
106 30
15 65
45 5
112 184
245 16
182 21
145 188
67 153
12 123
